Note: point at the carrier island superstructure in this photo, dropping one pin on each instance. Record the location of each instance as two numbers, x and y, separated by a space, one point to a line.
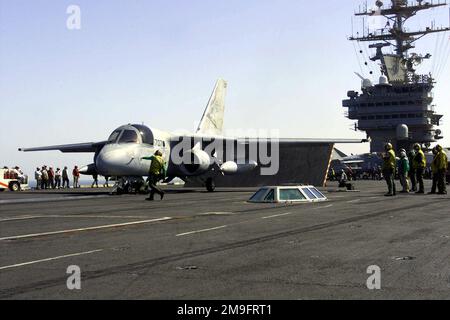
399 108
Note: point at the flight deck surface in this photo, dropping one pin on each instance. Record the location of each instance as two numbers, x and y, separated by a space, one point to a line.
199 245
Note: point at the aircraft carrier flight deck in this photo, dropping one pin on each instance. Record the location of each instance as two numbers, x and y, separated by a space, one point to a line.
200 245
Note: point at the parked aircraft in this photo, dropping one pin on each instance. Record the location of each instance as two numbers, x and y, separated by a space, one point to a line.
121 154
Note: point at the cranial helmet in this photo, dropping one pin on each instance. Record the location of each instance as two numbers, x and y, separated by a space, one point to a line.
417 146
388 146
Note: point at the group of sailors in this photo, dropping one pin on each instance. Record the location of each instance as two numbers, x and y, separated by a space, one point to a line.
411 168
15 173
48 178
348 174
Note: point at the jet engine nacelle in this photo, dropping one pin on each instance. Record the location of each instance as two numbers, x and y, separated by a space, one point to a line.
195 162
231 167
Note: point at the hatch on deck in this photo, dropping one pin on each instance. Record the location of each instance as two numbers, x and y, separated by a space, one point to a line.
280 194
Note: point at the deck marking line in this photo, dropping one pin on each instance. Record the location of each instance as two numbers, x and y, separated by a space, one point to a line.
217 213
199 231
67 216
328 206
277 215
50 259
50 199
33 235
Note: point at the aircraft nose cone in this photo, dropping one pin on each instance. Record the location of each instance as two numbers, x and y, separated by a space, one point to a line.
112 162
90 169
84 170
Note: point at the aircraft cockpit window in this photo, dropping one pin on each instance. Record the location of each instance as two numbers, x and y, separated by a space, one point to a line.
128 136
113 137
146 133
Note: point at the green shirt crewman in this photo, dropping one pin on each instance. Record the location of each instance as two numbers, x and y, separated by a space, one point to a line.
157 172
403 170
157 166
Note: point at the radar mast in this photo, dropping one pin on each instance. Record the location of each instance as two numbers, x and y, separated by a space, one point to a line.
401 66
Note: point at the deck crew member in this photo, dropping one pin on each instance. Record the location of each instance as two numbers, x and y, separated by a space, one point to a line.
106 185
403 169
331 174
343 179
419 164
51 178
65 178
18 174
157 172
95 177
433 172
38 177
44 181
76 177
441 166
58 178
412 171
389 165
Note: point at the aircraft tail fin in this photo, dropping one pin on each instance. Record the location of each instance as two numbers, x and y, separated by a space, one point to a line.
212 119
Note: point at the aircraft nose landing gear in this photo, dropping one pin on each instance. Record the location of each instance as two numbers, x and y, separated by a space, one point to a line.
129 185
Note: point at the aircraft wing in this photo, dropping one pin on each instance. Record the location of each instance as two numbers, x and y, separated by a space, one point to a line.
73 148
280 140
304 140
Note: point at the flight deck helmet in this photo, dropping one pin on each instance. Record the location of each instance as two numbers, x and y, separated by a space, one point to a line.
388 146
402 153
434 150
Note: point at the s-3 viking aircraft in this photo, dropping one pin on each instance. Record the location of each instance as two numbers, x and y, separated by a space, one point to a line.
121 155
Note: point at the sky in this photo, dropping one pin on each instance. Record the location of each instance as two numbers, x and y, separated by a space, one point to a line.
288 64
